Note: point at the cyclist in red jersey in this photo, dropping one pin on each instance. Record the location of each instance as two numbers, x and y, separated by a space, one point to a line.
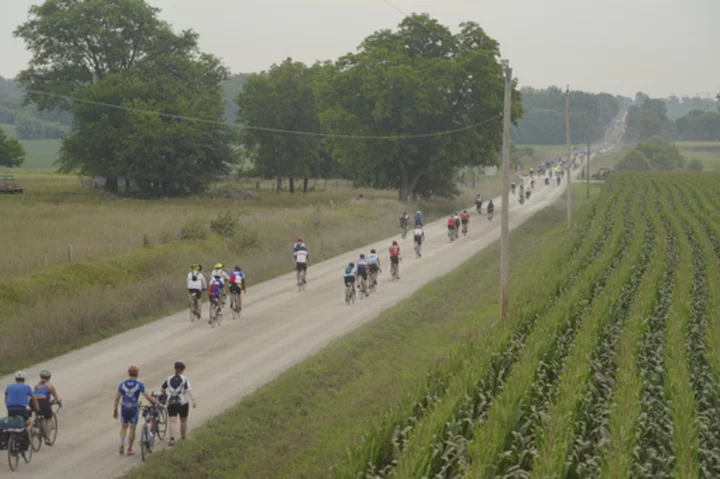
395 257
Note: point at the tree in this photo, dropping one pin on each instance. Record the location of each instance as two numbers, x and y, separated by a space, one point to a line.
281 98
77 43
698 126
648 119
416 80
695 165
12 153
635 160
150 143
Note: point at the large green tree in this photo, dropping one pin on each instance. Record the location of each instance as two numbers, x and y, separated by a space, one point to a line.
414 81
77 45
282 99
698 126
12 153
151 143
648 118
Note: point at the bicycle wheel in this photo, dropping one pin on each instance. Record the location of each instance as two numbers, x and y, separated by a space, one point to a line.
13 447
235 307
145 447
161 421
36 432
52 437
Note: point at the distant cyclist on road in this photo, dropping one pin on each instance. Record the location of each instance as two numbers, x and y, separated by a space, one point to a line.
362 270
478 203
18 397
419 218
464 220
237 284
490 210
349 275
404 220
418 237
395 256
302 258
374 265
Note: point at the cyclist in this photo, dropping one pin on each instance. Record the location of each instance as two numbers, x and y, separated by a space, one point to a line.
129 391
465 219
196 284
215 291
532 184
404 219
532 172
349 275
301 257
362 269
512 187
179 394
418 237
395 255
44 390
451 225
478 203
374 265
490 210
18 397
237 284
219 270
456 217
419 218
527 194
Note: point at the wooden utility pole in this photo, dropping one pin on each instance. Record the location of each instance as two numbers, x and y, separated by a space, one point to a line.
505 216
569 161
587 180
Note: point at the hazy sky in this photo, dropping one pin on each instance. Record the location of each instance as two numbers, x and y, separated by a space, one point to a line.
661 47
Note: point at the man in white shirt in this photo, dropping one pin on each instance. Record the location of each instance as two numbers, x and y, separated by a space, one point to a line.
179 394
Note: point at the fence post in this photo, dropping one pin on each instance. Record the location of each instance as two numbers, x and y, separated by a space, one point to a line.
69 253
47 259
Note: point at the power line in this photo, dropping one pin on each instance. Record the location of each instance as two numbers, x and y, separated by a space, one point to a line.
266 129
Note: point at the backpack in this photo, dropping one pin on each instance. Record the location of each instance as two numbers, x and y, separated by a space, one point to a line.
348 271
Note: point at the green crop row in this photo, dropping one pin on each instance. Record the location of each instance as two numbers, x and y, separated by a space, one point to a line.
593 410
520 454
507 443
377 454
654 448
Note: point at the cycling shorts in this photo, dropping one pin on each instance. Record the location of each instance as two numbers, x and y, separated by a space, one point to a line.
373 267
235 288
348 280
394 259
464 221
44 408
418 239
301 266
451 227
181 410
18 411
129 415
362 272
195 292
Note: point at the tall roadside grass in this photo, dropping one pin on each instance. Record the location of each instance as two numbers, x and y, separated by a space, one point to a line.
86 300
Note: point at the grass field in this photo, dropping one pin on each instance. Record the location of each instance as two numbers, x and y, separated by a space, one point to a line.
40 154
141 249
301 424
608 367
707 152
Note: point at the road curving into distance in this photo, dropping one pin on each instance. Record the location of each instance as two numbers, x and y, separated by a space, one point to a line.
278 329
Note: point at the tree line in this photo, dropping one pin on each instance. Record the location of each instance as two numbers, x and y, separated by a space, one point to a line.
400 87
648 118
543 121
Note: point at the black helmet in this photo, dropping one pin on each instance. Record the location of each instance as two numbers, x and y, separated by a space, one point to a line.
179 365
373 251
362 256
351 265
238 268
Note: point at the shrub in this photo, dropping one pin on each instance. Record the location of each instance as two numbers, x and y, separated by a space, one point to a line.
194 229
225 225
695 165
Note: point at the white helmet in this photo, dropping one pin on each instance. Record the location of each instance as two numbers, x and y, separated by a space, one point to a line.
20 375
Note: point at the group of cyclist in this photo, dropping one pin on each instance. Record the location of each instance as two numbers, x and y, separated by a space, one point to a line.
21 400
219 278
363 273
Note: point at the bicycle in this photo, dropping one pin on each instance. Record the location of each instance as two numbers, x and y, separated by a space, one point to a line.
404 231
38 433
464 229
153 418
350 293
418 252
451 235
215 312
394 276
363 287
490 215
12 430
373 280
236 305
194 308
301 282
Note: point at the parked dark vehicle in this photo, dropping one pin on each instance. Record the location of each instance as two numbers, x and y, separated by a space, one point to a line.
8 185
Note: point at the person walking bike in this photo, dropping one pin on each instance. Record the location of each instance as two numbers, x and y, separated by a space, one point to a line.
129 392
179 394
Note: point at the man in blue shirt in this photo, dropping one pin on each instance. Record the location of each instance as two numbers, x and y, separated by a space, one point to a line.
419 219
18 397
129 391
